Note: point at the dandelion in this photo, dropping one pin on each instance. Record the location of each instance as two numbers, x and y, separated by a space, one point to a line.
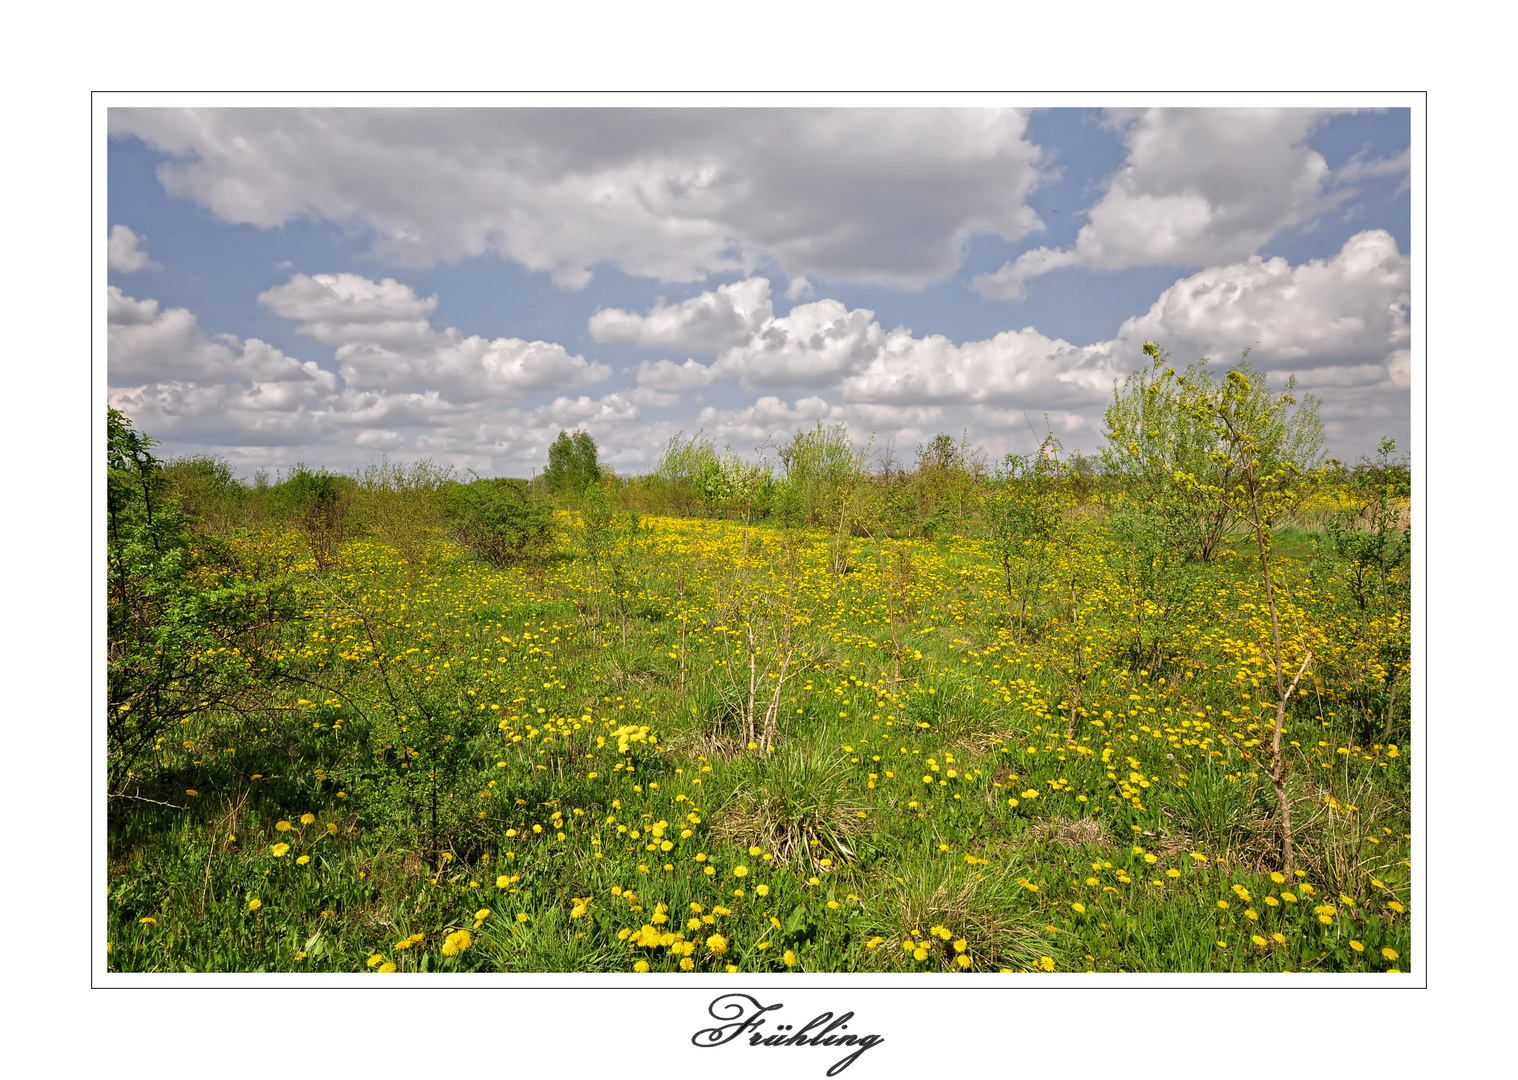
740 871
303 860
1258 940
308 819
1358 946
762 890
641 966
148 920
374 960
522 916
1390 954
456 942
1078 908
386 968
716 944
279 850
254 904
282 826
789 958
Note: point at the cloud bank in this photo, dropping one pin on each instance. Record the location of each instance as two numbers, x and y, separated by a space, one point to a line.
887 196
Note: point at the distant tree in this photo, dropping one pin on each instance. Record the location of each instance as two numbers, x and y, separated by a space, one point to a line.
572 463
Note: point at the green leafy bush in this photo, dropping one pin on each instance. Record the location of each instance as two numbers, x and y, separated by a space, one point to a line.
500 522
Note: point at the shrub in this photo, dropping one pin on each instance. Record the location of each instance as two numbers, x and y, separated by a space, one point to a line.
499 522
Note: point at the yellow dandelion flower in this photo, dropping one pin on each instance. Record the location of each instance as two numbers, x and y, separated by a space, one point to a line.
279 850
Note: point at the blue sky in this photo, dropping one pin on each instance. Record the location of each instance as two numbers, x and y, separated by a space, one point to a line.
331 287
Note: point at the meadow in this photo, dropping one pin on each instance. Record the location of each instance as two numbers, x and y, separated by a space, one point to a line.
958 721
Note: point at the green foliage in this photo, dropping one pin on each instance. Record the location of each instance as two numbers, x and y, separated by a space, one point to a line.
1370 538
321 504
1154 437
206 490
727 484
822 470
500 522
1019 510
186 632
572 464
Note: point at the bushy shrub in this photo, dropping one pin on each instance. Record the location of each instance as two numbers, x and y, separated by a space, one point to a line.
499 521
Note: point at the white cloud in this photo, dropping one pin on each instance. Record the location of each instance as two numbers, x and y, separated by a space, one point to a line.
127 252
710 322
667 375
1340 323
146 344
800 289
1326 316
674 194
1016 365
386 342
817 344
1199 187
1357 168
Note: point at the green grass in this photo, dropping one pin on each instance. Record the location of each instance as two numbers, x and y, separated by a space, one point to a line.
892 801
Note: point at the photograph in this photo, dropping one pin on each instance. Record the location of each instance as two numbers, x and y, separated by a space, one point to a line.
928 542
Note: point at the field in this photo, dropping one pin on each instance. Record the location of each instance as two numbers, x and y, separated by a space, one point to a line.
691 743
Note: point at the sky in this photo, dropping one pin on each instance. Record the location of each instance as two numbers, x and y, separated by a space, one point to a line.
341 286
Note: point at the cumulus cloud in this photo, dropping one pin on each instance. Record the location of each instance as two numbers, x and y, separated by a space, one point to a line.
827 344
710 322
149 344
1327 319
1199 187
668 375
817 344
675 194
800 289
1340 323
128 252
386 342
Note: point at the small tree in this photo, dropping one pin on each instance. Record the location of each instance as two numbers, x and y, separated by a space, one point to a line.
1153 434
1370 537
1248 422
572 463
